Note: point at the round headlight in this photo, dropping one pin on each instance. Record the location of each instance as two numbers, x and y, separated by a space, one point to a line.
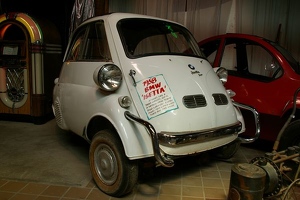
108 77
222 74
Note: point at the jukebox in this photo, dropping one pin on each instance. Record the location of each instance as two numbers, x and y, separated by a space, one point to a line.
30 60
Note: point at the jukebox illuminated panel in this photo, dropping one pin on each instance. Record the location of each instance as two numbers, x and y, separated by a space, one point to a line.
26 77
14 71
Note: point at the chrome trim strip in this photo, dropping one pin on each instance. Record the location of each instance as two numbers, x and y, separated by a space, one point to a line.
172 139
161 159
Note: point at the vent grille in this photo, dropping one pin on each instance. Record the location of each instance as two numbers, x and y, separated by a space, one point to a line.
15 84
194 101
57 113
220 99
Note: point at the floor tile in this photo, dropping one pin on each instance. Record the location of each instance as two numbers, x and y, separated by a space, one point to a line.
188 180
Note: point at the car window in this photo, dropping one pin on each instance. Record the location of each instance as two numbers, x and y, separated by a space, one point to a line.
229 58
210 50
261 62
145 37
90 44
250 60
161 44
76 47
288 56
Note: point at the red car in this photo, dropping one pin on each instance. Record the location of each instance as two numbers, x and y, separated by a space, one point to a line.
263 75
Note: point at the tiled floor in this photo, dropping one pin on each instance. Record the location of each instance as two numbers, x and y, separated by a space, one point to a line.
208 179
29 152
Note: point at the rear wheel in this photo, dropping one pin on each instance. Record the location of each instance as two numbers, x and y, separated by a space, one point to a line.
290 136
112 171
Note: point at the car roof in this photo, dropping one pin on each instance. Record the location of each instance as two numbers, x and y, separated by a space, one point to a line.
233 35
240 35
116 16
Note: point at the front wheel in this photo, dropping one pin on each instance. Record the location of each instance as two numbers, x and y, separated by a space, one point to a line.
290 136
112 171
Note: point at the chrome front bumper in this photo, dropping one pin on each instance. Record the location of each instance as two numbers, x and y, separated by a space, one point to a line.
173 139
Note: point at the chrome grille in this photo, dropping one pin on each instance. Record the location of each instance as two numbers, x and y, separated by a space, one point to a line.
15 84
220 99
194 101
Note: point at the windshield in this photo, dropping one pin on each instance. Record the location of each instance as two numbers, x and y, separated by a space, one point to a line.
145 37
293 63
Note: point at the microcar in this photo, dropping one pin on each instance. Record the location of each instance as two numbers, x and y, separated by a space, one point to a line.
139 89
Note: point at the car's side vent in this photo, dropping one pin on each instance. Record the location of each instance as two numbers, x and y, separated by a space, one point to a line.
220 99
57 113
194 101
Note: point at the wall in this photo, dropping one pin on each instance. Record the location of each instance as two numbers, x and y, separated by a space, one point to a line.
203 17
207 18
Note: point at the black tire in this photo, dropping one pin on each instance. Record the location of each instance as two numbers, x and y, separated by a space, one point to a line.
290 136
112 171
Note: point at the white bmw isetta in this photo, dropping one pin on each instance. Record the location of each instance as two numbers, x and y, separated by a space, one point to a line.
139 89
